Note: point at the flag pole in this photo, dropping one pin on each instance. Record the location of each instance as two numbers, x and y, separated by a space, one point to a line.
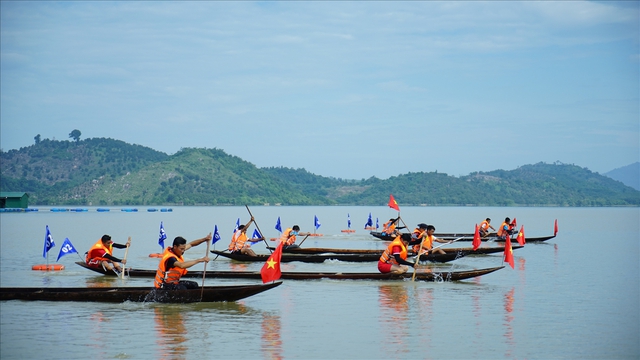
204 272
257 227
125 256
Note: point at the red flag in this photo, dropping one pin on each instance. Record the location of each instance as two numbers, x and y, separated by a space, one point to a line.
476 239
520 237
271 269
393 204
514 223
555 228
508 253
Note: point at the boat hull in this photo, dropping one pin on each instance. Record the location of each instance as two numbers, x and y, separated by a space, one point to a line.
136 294
461 237
318 258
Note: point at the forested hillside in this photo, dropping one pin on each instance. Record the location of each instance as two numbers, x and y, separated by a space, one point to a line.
111 172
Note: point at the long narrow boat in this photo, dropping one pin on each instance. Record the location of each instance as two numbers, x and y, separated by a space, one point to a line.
318 258
136 294
289 275
479 251
461 237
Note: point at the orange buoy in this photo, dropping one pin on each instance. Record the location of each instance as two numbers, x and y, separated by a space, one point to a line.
156 255
348 231
273 239
44 267
315 235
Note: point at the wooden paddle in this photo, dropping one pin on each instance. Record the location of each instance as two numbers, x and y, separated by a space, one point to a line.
439 246
125 256
415 266
257 227
204 272
305 238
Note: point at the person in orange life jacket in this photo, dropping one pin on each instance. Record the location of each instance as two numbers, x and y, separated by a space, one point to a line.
484 227
417 234
239 241
394 258
427 245
389 227
101 254
288 237
506 229
172 266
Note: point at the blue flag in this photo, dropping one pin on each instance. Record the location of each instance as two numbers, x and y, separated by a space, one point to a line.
162 237
316 223
348 221
66 249
48 243
369 222
216 235
377 224
278 225
256 234
237 226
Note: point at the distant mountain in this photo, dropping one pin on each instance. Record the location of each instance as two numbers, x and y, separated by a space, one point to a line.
628 175
103 172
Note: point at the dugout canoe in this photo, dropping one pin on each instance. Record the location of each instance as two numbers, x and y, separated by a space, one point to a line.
309 251
318 258
136 294
462 237
289 275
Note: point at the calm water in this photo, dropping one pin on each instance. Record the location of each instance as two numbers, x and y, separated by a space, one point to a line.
573 297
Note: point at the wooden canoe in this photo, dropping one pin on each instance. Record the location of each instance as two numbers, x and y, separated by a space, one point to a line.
479 251
136 294
289 275
318 258
465 237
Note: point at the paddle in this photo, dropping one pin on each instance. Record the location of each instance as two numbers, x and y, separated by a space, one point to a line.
125 255
258 227
439 246
204 272
305 238
415 266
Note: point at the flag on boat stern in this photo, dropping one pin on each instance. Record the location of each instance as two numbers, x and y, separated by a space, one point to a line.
216 235
508 252
316 222
271 269
256 234
163 236
66 249
520 237
476 239
393 203
48 243
555 227
348 221
278 225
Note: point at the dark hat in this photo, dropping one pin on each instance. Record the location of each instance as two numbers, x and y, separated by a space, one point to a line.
422 226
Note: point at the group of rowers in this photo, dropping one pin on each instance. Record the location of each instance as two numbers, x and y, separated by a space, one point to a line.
394 257
172 265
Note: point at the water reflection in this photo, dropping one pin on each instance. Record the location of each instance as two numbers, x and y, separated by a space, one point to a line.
102 281
271 340
508 318
394 306
171 332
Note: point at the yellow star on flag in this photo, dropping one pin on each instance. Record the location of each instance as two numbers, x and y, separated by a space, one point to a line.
271 264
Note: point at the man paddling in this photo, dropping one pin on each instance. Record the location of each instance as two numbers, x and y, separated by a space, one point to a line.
240 244
484 227
289 237
172 266
101 252
394 258
425 247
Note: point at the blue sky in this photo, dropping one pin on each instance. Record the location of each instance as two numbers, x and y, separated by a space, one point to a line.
343 89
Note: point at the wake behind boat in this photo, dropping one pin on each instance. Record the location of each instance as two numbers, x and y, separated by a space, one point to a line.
136 294
421 275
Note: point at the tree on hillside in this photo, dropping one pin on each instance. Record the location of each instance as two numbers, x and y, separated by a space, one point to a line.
75 135
37 139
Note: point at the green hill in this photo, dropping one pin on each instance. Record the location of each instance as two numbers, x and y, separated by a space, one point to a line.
111 172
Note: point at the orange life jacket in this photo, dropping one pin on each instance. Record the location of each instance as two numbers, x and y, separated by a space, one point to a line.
427 244
418 234
501 231
484 225
388 227
95 255
387 255
171 276
286 239
238 240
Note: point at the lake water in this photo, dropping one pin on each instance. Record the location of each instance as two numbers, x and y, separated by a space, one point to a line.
573 297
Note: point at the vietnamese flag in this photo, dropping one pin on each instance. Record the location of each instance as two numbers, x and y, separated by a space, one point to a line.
476 239
555 228
271 269
514 223
393 203
508 252
520 237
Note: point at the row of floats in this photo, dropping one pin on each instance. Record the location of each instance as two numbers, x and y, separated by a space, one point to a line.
83 210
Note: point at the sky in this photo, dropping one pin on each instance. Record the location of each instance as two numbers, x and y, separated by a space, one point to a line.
348 90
